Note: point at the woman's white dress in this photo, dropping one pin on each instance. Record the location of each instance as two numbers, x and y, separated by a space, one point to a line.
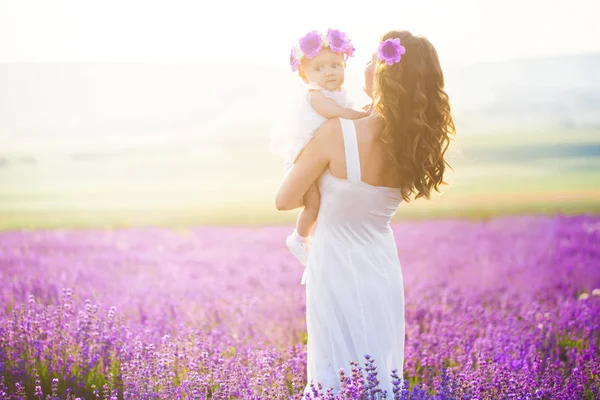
354 288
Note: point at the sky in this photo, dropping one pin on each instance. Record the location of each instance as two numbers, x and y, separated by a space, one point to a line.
261 32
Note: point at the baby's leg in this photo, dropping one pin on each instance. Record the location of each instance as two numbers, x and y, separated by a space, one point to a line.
298 242
308 216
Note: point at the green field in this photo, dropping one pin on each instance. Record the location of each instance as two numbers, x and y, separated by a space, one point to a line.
233 182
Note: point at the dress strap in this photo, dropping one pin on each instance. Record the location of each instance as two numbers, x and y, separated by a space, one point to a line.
351 150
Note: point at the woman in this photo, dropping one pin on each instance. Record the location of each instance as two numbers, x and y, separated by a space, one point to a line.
364 169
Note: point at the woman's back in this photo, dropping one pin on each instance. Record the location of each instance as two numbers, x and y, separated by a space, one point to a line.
354 211
377 169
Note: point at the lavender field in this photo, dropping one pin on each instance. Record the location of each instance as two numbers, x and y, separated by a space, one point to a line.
498 309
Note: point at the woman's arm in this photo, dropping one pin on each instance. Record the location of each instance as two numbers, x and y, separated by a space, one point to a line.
309 165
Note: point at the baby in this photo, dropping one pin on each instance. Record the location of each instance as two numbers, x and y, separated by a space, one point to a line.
320 60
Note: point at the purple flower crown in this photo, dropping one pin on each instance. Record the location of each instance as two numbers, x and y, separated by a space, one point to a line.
311 44
390 51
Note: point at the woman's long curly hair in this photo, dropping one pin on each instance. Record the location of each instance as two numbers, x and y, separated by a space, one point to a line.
409 96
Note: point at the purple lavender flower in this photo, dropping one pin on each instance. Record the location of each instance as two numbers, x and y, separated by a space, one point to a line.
501 297
311 44
391 51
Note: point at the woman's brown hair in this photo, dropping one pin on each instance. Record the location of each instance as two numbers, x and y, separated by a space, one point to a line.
409 96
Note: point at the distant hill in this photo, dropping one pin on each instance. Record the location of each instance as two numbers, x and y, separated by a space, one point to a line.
560 92
133 100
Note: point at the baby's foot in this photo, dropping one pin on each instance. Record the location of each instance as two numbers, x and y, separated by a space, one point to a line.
299 247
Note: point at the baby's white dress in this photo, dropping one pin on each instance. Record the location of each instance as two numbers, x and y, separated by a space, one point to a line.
293 131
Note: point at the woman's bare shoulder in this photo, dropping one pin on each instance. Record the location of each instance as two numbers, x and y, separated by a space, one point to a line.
328 137
330 132
368 128
329 129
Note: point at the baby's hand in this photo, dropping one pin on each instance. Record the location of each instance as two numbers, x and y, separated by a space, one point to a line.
358 114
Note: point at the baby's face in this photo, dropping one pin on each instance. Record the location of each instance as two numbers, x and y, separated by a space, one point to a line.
326 69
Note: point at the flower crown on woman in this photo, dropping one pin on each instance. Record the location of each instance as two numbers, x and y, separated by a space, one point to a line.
311 44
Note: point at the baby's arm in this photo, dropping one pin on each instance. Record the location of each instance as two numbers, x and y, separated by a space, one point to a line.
328 108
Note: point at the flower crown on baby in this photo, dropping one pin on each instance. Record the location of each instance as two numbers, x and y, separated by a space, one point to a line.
390 51
311 44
